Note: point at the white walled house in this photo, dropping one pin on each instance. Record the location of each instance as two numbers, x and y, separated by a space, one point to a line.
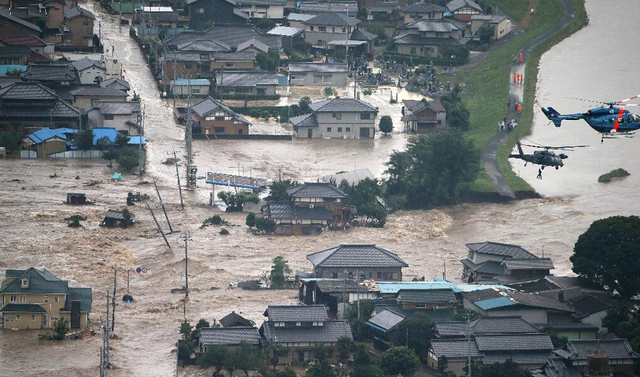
336 119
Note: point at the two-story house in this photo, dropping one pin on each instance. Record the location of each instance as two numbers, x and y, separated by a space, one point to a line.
337 118
299 329
256 83
312 209
423 116
35 299
426 37
317 74
85 95
121 115
228 337
78 27
498 262
463 10
422 11
361 261
11 25
212 117
209 12
327 27
90 71
258 9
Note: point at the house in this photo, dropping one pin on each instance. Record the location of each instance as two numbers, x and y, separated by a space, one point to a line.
11 25
253 45
162 16
258 9
60 77
36 299
456 352
483 326
47 141
463 10
492 261
423 116
111 134
90 71
231 35
78 28
327 27
318 74
338 7
336 294
27 106
234 319
299 329
362 261
598 357
312 209
195 87
207 12
337 118
122 116
432 299
422 11
243 60
228 337
85 95
31 41
531 307
17 58
382 6
359 35
427 37
214 118
117 84
384 323
289 35
501 25
255 83
114 219
297 20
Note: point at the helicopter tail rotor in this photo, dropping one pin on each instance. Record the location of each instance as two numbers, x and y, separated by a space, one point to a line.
553 115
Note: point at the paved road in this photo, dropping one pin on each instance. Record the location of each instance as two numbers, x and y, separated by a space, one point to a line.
515 95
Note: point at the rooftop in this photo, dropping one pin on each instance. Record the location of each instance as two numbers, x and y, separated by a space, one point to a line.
351 105
432 296
22 40
287 211
229 335
317 68
386 320
4 14
332 19
316 190
209 105
354 256
423 7
455 5
296 313
329 332
247 78
78 12
85 63
495 248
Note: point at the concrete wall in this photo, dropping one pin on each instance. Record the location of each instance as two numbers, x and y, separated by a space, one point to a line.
318 79
81 32
88 76
320 35
272 11
392 274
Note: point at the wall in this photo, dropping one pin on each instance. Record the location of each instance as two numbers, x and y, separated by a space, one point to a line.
331 33
230 127
81 32
352 121
52 307
369 273
272 11
309 79
88 76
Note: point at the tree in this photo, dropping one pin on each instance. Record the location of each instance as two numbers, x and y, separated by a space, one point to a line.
321 368
185 330
364 196
506 369
280 271
235 202
345 346
84 139
274 350
184 351
362 366
110 155
128 159
246 357
127 218
122 140
98 80
457 113
251 220
61 327
434 170
264 225
216 356
268 61
286 372
278 190
608 254
399 360
304 105
11 141
416 332
486 33
386 124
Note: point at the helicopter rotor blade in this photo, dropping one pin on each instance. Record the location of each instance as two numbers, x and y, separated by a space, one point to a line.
629 99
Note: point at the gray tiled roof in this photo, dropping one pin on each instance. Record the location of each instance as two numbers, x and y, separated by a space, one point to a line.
209 105
39 282
558 367
528 264
385 320
495 248
117 108
296 313
330 332
351 105
488 267
433 296
415 39
247 78
22 308
354 256
232 35
4 14
591 303
454 348
263 2
51 72
234 318
522 357
331 7
514 342
300 17
85 63
338 285
287 211
362 35
115 84
255 43
60 110
246 56
613 348
27 91
502 325
203 45
332 19
77 11
97 91
316 190
454 5
532 299
229 335
434 26
297 68
84 295
305 120
423 7
451 328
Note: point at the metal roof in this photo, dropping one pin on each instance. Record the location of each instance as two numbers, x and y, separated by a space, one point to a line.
350 105
305 120
423 7
432 296
46 133
229 335
77 11
187 82
296 313
300 17
287 211
385 320
285 31
22 308
387 287
39 282
354 256
297 68
84 295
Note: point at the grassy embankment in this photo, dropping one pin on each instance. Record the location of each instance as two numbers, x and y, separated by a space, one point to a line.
486 91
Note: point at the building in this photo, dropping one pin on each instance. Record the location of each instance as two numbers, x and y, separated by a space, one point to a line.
299 329
46 141
492 261
254 83
36 299
463 10
114 219
337 118
90 71
297 20
78 28
163 16
426 37
228 337
234 319
208 12
423 116
258 9
598 357
432 299
338 7
361 261
11 25
317 74
26 106
231 35
214 118
117 84
122 116
31 41
253 45
84 96
501 25
422 11
195 87
289 35
327 27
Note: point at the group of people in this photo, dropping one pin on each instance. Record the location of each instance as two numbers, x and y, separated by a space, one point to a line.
518 78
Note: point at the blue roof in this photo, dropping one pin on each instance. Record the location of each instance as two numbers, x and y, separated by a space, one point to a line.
5 68
47 133
135 140
111 133
185 82
394 287
493 303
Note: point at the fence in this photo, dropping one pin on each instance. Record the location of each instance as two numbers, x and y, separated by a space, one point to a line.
78 154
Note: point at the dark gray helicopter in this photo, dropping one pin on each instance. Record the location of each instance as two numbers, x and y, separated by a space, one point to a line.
545 156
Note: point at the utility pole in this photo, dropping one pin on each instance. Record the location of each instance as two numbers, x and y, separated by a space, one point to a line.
158 225
187 238
113 299
141 128
163 207
105 333
175 158
469 345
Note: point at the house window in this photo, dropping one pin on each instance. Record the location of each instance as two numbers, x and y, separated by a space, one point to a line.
46 299
421 306
348 129
336 115
219 117
322 28
108 117
379 275
204 56
413 51
13 298
33 317
278 324
333 29
298 324
218 130
311 28
201 10
24 283
229 65
339 129
187 66
56 299
344 29
365 116
195 91
334 275
328 129
17 317
53 319
23 298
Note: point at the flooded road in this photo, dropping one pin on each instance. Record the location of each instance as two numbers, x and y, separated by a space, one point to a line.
35 233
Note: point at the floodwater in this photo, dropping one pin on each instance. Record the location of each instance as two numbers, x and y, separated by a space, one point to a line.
34 232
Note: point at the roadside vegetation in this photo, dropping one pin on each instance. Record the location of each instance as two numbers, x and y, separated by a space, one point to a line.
617 173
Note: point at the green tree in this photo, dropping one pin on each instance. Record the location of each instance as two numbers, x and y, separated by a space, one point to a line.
251 220
98 80
235 202
506 369
386 124
110 155
399 360
247 357
434 170
286 372
61 327
184 351
122 140
304 105
486 33
274 350
278 190
608 254
11 141
268 61
128 159
216 356
362 365
103 143
345 346
321 368
84 139
364 196
185 330
264 225
416 332
457 114
127 218
280 271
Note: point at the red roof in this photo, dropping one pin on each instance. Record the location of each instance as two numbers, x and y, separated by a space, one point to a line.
36 57
22 40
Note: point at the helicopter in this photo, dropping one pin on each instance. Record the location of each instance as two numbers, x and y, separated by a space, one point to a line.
607 120
544 157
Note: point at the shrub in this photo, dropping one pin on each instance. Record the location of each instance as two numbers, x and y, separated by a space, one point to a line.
617 173
223 231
